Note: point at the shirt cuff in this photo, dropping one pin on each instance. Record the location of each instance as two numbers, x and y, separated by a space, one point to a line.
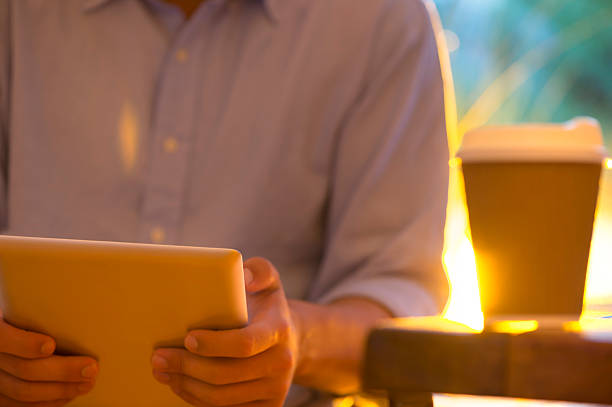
402 297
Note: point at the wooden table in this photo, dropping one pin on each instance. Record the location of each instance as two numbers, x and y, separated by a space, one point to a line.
407 361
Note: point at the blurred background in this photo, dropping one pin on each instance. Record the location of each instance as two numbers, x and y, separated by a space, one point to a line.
523 61
526 61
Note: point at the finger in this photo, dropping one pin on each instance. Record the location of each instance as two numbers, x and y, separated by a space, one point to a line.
248 277
24 391
234 343
264 275
8 402
189 398
225 395
219 371
51 369
25 344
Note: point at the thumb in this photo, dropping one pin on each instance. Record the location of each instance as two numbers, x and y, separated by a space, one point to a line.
260 275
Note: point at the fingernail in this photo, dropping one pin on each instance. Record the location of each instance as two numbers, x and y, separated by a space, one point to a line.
47 348
159 362
89 371
191 343
84 388
248 277
162 377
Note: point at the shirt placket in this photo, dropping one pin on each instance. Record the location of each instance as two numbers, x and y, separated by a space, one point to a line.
172 140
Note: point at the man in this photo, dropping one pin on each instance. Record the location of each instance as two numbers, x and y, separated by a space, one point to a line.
309 132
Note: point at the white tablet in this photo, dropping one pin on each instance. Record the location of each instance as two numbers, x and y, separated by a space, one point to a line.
117 302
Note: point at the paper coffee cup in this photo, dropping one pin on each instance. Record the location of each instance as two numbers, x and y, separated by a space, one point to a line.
531 193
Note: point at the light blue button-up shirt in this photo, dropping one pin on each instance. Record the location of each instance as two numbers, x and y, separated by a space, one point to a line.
310 132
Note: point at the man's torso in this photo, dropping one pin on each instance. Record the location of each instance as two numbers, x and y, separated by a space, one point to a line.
129 124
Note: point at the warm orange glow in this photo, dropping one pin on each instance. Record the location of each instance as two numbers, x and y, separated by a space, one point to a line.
458 256
343 402
450 106
460 264
599 282
129 135
590 323
435 324
513 327
452 400
454 163
359 400
599 278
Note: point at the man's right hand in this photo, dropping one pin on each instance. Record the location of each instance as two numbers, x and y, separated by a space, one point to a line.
31 375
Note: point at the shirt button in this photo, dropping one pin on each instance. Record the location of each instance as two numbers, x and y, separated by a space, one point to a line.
181 55
170 145
157 235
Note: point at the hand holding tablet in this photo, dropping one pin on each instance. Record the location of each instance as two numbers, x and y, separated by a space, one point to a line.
30 373
117 302
250 366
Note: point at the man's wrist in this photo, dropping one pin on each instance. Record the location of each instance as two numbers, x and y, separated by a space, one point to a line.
332 336
297 309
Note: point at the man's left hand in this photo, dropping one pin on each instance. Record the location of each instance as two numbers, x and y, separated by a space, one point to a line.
251 366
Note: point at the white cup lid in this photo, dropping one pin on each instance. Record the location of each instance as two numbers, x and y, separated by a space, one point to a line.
578 140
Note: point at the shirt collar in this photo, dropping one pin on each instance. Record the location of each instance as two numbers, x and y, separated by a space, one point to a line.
273 7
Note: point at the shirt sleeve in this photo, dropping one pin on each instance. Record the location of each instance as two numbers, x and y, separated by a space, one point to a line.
4 105
385 222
